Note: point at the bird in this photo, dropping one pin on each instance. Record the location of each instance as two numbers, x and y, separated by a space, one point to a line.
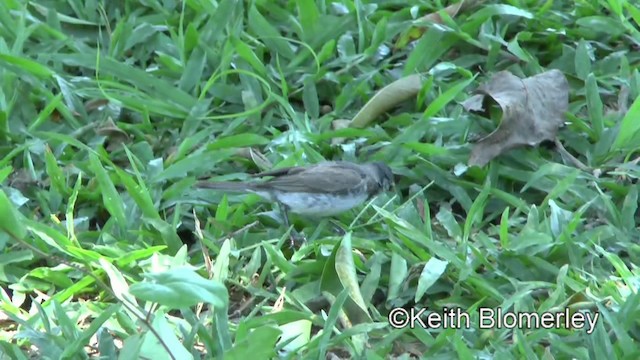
319 190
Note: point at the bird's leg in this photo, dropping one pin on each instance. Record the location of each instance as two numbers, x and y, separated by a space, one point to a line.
294 236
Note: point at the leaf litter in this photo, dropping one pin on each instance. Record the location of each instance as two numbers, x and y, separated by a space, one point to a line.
533 110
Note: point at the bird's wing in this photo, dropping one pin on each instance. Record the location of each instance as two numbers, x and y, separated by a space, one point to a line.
334 177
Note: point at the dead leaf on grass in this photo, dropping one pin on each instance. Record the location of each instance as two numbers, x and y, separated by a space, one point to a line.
388 97
533 110
116 136
415 32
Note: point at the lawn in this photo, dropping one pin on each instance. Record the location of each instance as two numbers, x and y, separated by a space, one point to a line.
512 128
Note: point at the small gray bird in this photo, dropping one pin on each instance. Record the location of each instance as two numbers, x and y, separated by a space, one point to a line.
318 190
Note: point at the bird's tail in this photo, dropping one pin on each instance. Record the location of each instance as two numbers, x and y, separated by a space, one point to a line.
226 186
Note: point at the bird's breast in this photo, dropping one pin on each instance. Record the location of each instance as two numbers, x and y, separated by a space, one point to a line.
310 204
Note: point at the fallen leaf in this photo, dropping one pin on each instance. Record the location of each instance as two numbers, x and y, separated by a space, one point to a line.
416 32
533 110
95 104
114 134
386 98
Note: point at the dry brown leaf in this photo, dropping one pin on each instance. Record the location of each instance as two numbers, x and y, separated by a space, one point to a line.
279 303
451 10
415 32
95 104
386 98
115 135
533 109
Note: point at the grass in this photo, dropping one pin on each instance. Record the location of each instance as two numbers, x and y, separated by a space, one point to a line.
110 111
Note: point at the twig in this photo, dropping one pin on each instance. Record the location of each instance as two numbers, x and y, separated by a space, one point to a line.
565 154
